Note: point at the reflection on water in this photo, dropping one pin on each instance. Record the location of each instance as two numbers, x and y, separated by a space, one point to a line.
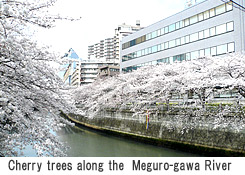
86 143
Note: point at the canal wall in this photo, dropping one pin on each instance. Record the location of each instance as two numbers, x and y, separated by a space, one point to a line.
207 133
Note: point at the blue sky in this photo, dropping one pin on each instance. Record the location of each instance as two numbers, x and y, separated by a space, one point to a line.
100 18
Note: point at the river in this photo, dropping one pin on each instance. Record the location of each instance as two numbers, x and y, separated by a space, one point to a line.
89 143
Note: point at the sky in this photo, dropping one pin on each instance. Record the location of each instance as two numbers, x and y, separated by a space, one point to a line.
99 19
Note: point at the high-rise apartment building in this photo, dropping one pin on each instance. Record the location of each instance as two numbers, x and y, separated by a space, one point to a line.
109 48
208 28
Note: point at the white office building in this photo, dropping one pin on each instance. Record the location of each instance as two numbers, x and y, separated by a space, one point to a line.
208 28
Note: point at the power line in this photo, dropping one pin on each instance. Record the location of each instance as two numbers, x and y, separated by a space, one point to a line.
238 4
235 4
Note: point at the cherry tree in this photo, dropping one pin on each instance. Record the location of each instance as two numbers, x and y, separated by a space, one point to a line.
161 83
30 94
224 73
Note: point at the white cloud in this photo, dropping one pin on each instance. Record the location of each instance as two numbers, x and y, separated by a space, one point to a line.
100 18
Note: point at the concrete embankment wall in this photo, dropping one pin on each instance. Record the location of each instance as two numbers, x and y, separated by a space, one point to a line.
210 136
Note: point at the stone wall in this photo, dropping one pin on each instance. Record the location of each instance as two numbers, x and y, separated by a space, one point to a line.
211 134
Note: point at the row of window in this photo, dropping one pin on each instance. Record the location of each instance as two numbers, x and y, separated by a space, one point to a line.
114 70
217 30
211 51
180 24
94 64
88 74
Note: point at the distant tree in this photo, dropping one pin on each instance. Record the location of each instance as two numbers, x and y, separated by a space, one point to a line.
30 94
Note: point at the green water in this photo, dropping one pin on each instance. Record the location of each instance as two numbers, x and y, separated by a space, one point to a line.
87 143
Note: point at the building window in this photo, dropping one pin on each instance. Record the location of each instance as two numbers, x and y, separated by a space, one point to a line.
201 35
187 39
159 47
162 46
222 49
179 57
148 36
229 6
206 14
193 37
134 55
154 34
200 17
166 29
221 29
158 32
166 45
188 56
154 49
139 54
162 31
212 31
212 12
125 58
143 52
230 26
194 55
231 47
143 38
177 25
181 24
207 52
214 51
171 27
220 9
187 22
178 42
160 60
149 50
171 60
171 43
182 40
201 53
130 56
138 40
206 33
127 44
132 43
193 19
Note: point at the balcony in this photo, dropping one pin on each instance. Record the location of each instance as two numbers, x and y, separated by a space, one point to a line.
87 81
89 71
88 76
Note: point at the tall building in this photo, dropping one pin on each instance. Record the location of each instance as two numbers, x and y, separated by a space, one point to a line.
109 48
120 32
208 28
70 63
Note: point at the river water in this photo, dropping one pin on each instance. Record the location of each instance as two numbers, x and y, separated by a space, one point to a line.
89 143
